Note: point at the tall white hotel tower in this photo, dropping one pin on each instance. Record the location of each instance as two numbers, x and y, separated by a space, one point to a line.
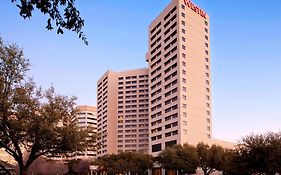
168 103
179 77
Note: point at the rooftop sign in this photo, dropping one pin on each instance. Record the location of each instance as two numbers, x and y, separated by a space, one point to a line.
195 8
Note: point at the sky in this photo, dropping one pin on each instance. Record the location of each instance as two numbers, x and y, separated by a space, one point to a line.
245 55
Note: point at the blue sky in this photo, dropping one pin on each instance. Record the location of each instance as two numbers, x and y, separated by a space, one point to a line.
245 53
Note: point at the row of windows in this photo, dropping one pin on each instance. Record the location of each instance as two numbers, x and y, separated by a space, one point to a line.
155 42
168 134
156 100
171 20
133 141
134 116
133 111
133 136
156 85
132 130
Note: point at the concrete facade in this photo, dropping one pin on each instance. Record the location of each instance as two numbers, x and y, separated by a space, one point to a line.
177 88
123 111
179 76
86 118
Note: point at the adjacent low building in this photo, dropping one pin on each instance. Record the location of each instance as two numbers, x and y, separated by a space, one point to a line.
123 102
87 118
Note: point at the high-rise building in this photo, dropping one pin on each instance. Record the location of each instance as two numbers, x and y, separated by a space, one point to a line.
86 118
168 103
123 111
179 74
179 77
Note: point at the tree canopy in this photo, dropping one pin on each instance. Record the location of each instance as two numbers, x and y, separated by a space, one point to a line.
211 158
125 162
184 159
33 121
61 13
256 154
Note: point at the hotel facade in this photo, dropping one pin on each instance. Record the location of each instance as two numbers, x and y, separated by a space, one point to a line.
123 111
179 77
173 95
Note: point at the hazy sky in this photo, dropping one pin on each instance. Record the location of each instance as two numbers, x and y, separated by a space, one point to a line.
245 53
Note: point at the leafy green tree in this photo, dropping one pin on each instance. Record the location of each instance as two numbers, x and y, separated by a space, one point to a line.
211 158
108 164
232 163
125 162
261 154
33 121
61 13
181 158
77 167
137 163
256 154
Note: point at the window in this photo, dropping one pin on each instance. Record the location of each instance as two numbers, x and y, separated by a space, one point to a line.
207 59
184 89
183 15
171 143
183 47
207 89
207 82
183 55
208 105
185 123
206 44
207 97
206 37
185 131
183 23
183 39
183 31
183 72
156 147
207 67
207 52
207 74
183 6
208 128
183 64
208 120
184 97
184 80
208 113
206 30
184 114
206 23
184 106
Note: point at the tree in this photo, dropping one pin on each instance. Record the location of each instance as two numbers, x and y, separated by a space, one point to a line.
261 154
33 121
70 18
137 163
125 162
78 167
108 164
211 159
181 158
232 163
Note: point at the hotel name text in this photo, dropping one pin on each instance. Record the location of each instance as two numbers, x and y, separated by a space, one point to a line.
195 8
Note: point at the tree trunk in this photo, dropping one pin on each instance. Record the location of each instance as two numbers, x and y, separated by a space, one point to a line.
23 170
205 171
